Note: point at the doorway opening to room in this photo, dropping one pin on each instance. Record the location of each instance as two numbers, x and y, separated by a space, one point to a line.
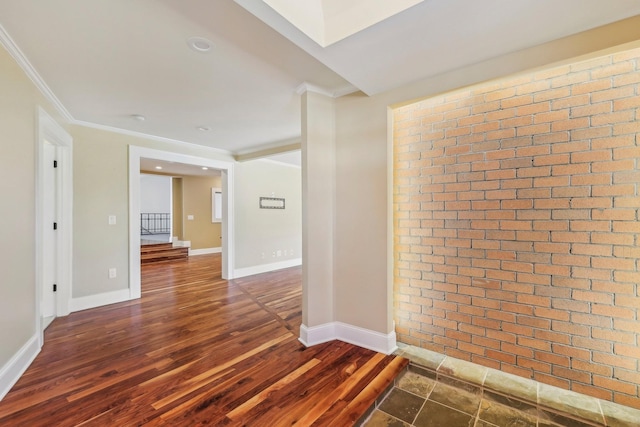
219 173
180 211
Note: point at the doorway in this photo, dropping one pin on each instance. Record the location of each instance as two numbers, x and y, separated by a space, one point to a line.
226 169
54 225
49 236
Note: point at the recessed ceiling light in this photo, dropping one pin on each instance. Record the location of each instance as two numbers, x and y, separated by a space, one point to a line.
138 117
158 167
199 44
204 168
204 128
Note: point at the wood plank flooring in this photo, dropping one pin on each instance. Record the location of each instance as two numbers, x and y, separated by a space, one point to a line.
196 350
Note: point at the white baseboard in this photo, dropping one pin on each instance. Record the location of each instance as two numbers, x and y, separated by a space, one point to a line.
93 301
11 372
204 251
265 268
317 334
376 341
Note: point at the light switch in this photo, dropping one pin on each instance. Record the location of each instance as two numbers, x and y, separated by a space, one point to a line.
112 220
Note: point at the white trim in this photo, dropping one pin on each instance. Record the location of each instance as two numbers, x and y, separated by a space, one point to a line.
204 251
11 372
98 300
148 136
265 268
337 93
310 336
281 163
308 87
345 90
49 130
372 340
23 62
376 341
276 147
227 171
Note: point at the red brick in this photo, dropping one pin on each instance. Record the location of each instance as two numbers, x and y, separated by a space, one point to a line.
530 238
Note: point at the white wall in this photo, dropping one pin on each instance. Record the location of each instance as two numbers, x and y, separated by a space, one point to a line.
155 193
261 232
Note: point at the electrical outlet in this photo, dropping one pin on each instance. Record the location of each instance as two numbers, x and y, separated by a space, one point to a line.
189 217
273 255
279 253
112 273
262 255
112 220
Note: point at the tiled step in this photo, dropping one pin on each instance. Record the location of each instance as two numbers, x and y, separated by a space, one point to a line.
162 252
461 389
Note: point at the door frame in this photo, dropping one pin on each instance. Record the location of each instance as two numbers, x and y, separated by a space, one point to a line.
50 131
226 168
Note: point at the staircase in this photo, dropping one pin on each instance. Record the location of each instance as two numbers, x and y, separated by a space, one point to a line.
160 252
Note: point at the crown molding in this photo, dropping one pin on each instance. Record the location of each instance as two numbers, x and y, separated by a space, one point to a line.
308 87
23 62
345 90
148 136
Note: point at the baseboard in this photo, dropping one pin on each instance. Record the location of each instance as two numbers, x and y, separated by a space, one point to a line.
376 341
93 301
204 251
15 367
310 336
265 268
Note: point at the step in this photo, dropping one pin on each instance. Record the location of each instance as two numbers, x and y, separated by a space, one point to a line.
155 247
162 252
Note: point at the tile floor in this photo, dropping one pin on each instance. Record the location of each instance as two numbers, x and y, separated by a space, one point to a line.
420 401
439 391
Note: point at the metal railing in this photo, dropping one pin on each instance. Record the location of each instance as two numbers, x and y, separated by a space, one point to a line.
155 223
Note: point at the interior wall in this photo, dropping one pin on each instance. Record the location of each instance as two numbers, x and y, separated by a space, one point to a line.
177 211
264 232
196 197
101 189
362 160
18 111
516 220
318 211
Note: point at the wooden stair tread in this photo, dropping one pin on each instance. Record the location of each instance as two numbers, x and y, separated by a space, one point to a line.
162 252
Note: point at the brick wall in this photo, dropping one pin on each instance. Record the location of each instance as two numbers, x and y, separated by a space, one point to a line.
516 225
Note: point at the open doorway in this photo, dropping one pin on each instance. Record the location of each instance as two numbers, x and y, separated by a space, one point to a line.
180 210
136 154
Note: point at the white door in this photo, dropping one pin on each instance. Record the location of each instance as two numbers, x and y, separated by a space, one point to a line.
50 240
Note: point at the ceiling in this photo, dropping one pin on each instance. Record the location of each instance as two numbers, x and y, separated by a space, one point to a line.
107 60
154 166
175 168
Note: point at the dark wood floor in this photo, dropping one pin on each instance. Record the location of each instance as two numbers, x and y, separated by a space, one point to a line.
196 350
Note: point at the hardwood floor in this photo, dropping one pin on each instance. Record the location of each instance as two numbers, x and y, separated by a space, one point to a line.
196 350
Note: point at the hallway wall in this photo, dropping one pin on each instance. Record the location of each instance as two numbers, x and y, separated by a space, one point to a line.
18 111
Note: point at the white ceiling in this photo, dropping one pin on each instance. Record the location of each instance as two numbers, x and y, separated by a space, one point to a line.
291 158
175 168
106 60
